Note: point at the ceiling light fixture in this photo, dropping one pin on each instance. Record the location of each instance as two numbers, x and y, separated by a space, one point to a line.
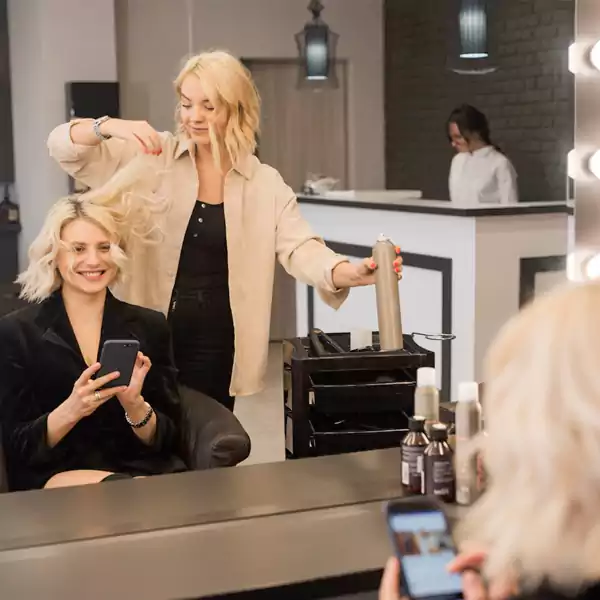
473 29
316 47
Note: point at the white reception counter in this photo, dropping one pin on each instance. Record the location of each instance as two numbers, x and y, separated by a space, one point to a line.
467 269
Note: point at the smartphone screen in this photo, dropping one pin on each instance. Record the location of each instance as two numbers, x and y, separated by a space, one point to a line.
425 547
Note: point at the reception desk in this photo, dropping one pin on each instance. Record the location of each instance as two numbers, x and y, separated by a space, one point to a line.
466 269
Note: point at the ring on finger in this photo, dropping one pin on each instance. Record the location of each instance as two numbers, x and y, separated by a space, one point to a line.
97 396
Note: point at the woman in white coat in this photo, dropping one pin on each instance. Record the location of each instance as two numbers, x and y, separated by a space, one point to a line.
480 172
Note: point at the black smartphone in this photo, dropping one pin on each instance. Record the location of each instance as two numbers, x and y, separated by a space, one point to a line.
424 546
118 355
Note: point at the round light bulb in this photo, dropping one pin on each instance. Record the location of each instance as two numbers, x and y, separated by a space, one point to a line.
595 55
594 164
592 267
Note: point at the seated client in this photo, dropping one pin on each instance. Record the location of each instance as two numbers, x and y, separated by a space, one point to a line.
535 532
58 426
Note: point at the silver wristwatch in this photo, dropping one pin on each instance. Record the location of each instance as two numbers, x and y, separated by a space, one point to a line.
96 128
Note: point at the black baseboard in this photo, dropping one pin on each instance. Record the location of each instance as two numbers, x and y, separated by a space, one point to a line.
530 267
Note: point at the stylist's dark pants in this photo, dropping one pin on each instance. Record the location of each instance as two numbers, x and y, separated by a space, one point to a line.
202 328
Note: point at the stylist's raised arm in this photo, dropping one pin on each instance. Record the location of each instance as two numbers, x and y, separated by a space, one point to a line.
93 150
226 218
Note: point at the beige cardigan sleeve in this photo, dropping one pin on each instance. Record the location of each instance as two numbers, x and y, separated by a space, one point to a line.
301 252
91 165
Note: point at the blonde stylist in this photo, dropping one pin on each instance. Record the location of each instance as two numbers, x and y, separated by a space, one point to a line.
228 217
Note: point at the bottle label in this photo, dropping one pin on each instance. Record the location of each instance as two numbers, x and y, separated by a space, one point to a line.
405 473
13 215
439 479
412 466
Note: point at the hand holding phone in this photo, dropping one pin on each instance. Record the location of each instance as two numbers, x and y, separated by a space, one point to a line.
424 547
118 355
389 588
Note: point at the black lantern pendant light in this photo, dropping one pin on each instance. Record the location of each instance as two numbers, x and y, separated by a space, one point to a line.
317 46
473 29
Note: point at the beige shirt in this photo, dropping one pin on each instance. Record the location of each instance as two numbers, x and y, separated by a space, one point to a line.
263 222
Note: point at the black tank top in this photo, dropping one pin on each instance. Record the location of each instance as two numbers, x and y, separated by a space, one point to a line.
203 260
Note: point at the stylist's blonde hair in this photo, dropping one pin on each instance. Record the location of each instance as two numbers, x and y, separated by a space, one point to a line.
539 518
128 218
230 88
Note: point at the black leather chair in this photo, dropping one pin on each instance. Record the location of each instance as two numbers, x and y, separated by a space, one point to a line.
211 435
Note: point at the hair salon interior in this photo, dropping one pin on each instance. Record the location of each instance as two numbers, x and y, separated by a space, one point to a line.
343 255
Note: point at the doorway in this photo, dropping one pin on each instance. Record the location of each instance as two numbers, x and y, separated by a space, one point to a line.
303 130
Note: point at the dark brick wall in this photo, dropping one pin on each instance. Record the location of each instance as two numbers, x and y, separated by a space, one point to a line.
529 100
6 145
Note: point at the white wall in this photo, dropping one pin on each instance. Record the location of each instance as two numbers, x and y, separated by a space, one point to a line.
154 35
51 42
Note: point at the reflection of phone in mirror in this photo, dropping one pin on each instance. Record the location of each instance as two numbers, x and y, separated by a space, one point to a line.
118 355
424 547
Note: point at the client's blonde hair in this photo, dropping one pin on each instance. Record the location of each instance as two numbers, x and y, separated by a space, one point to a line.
128 217
539 517
230 88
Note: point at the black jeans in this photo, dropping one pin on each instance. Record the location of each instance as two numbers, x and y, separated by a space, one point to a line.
202 328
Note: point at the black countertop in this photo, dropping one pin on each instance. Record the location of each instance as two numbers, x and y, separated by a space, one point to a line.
310 527
378 201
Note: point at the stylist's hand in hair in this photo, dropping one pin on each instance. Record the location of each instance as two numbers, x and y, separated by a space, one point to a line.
140 132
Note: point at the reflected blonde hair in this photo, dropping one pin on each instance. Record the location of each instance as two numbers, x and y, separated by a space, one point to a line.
128 217
539 516
230 88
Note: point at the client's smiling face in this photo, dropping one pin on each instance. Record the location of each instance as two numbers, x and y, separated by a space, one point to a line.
84 260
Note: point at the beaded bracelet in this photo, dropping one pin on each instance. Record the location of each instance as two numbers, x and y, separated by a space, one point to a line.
141 423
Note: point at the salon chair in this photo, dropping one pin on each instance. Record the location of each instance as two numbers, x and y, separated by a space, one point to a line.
211 435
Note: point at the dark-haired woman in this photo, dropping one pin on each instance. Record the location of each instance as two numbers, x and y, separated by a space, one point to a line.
480 172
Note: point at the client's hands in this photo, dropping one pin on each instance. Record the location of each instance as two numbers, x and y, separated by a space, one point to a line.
466 563
390 582
86 396
131 396
474 587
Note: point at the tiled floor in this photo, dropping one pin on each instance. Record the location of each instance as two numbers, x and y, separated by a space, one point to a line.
262 414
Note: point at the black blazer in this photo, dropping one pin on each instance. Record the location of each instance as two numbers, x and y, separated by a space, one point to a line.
40 361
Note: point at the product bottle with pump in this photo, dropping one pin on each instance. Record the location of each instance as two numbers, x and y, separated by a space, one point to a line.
388 296
427 398
438 468
413 448
468 425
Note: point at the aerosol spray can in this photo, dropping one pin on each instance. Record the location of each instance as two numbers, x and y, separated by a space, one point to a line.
468 425
388 297
427 398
